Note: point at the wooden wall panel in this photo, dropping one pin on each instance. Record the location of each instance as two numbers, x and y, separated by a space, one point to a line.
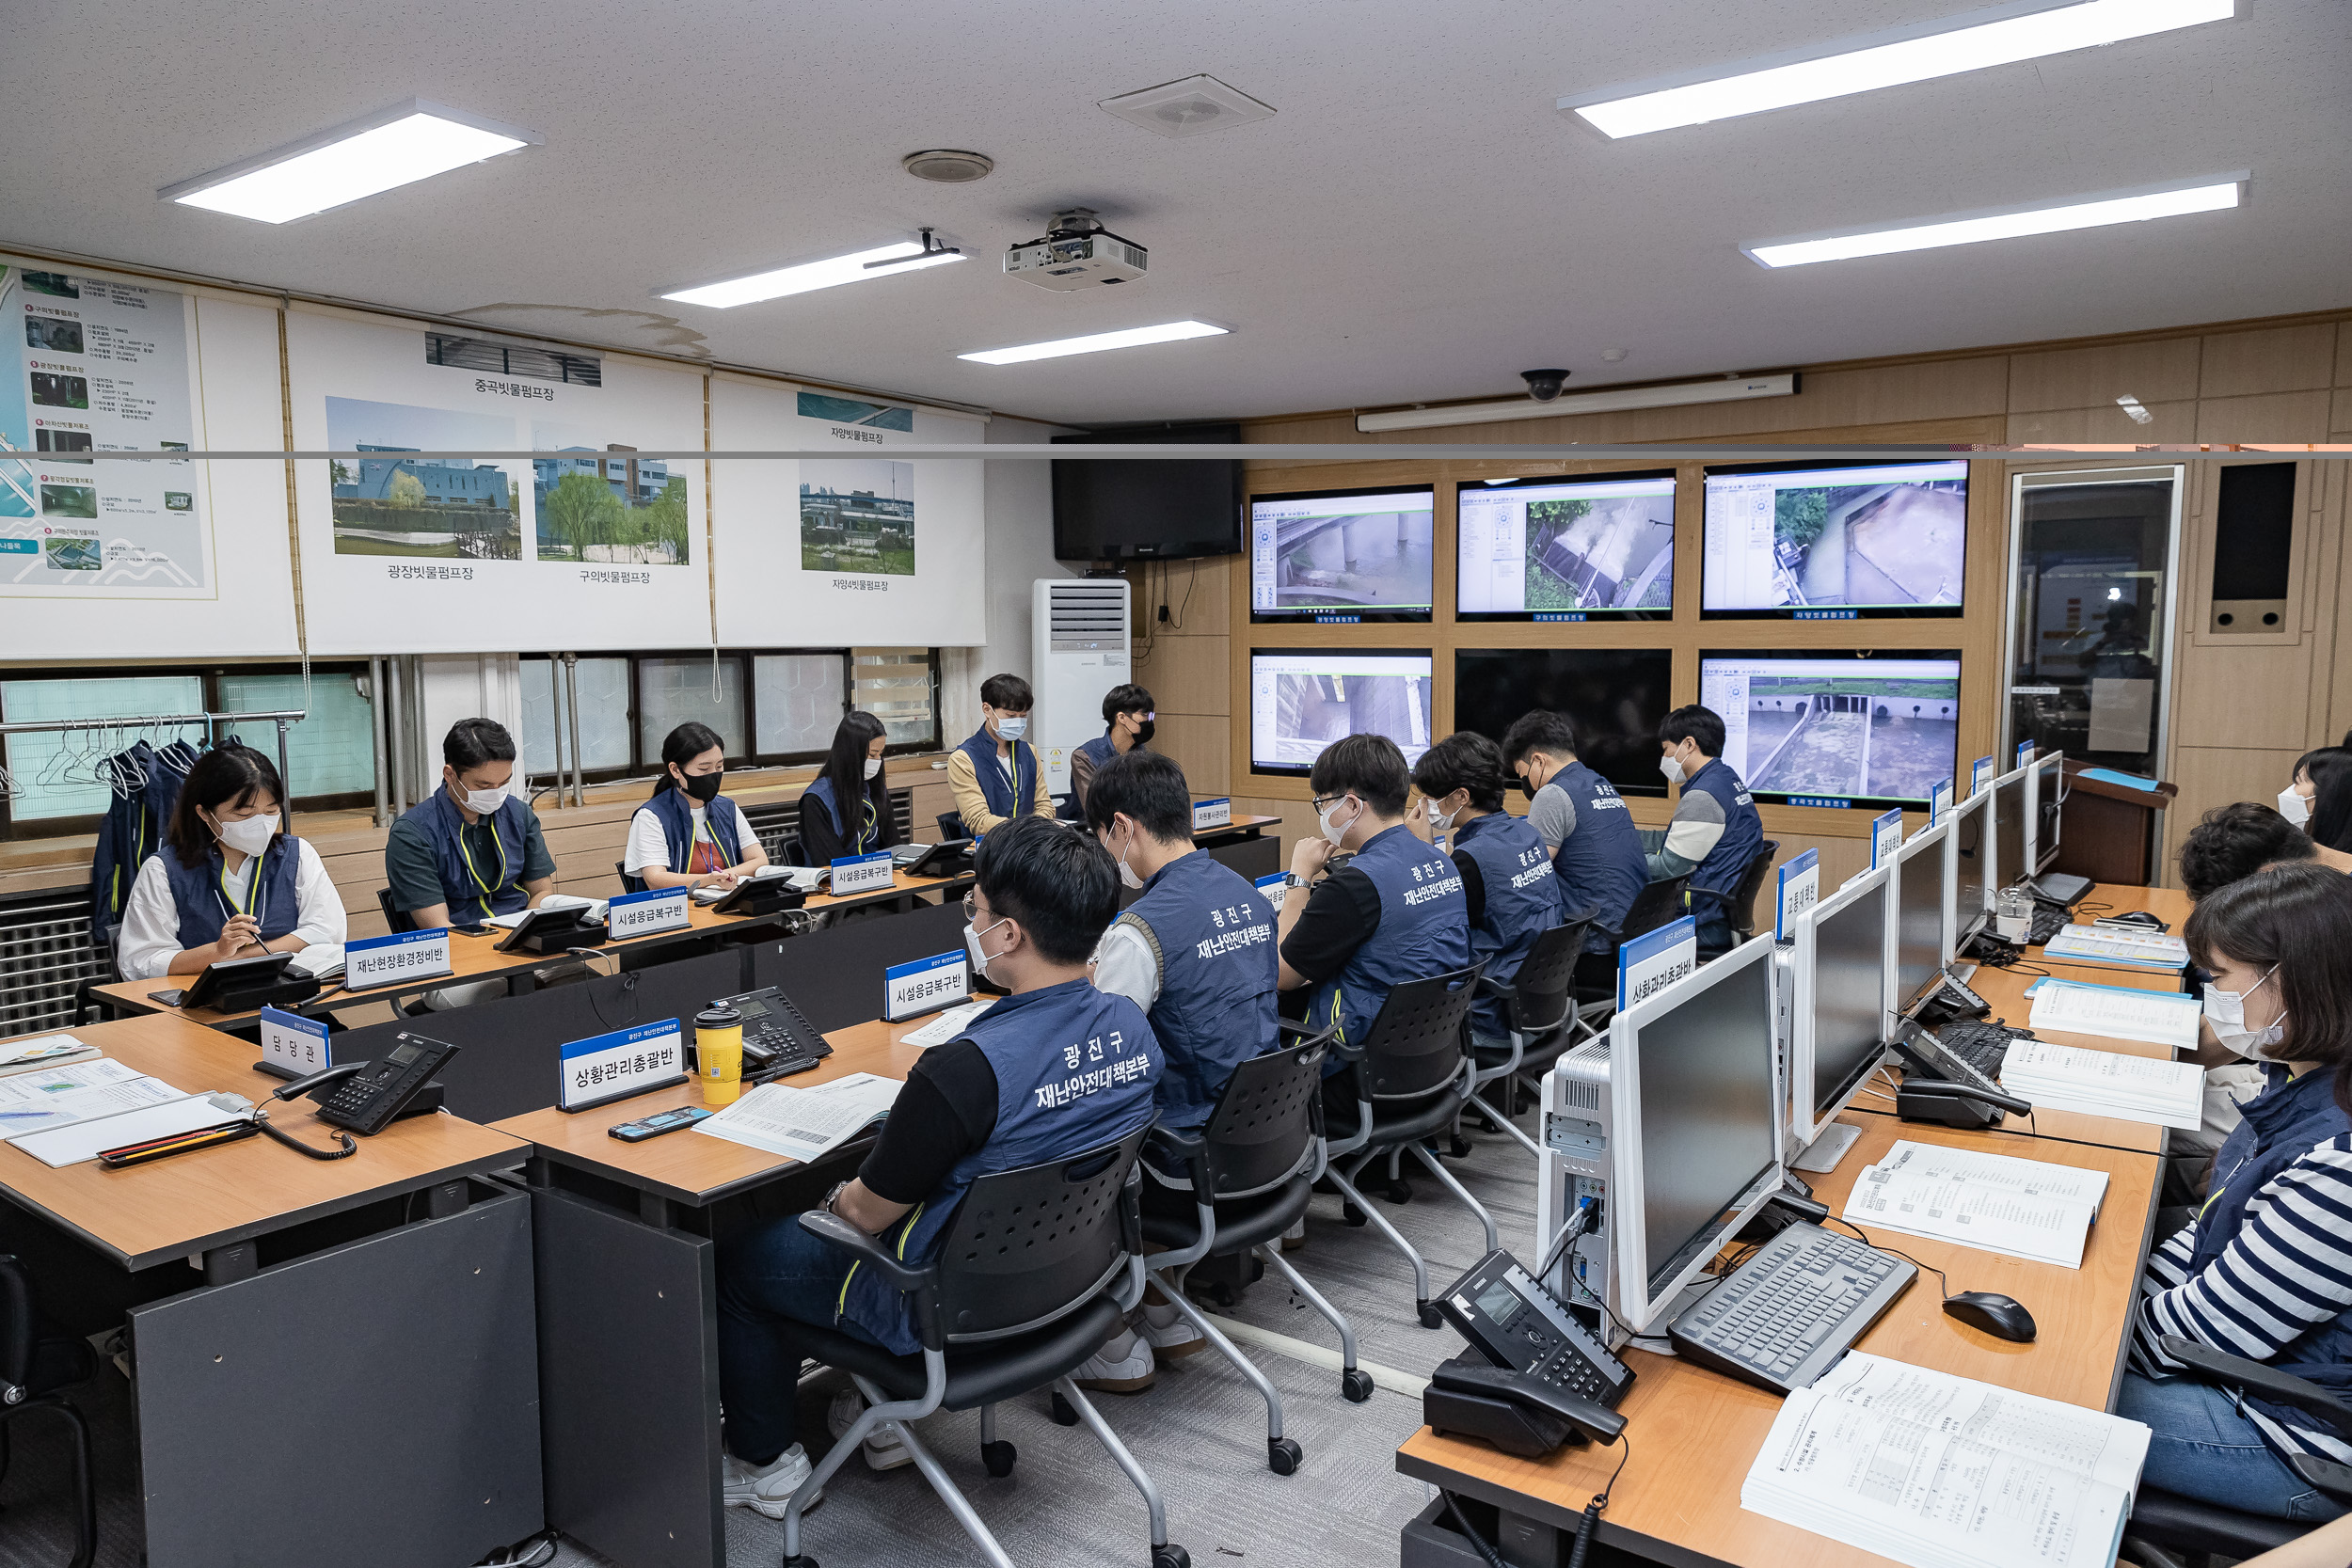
2273 417
2241 364
2161 372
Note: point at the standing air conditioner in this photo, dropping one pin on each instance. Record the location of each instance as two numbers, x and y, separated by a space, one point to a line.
1079 649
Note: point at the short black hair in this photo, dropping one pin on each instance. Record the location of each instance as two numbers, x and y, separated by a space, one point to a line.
2314 762
2297 919
1058 885
227 775
1539 730
1702 724
1007 693
1124 699
2331 806
471 742
1368 764
2232 842
1150 788
1463 760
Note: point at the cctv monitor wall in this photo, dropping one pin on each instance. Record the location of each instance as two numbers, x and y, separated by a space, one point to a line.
1971 861
1301 701
1341 556
2046 791
1837 729
1696 1107
1555 549
1618 697
1922 902
2009 830
1837 1004
1835 541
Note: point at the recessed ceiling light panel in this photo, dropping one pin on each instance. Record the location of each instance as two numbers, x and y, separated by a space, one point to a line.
408 142
2024 30
1133 337
2212 194
881 261
1191 107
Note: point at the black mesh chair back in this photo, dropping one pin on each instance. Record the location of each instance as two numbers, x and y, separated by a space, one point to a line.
1740 909
1264 1121
1655 905
1415 1046
629 883
395 917
1543 998
1029 1246
951 826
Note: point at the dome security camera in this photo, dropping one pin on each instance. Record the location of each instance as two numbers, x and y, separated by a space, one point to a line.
1543 386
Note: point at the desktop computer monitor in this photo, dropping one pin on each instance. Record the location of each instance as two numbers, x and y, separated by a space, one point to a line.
1921 898
2046 791
1601 547
1869 538
1970 860
1342 554
1618 697
2009 830
1301 700
1695 1101
1837 966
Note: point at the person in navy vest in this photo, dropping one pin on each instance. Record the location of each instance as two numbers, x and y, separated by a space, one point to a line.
1509 886
1394 912
688 834
227 882
1196 953
1054 1069
995 776
1128 721
1596 849
472 849
847 810
1714 831
2264 1270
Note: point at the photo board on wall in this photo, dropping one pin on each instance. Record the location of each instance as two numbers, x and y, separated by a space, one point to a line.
865 548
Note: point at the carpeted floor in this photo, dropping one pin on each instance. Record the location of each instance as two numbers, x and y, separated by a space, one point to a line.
1200 1433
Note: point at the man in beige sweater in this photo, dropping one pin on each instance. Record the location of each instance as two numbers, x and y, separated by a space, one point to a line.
996 775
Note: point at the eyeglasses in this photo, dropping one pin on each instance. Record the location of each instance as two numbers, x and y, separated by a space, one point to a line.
1317 803
971 908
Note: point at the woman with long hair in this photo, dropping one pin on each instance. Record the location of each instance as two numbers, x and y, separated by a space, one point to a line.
688 834
847 810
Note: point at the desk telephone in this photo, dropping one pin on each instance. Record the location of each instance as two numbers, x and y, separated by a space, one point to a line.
367 1097
778 1038
1539 1376
1940 1085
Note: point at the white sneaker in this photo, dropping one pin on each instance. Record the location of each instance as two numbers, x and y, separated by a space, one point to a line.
1174 1340
1123 1365
766 1487
884 1448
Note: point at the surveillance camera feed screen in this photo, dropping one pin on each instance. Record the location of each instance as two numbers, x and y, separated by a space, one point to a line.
1836 731
1617 698
1301 702
1834 543
1337 557
1567 551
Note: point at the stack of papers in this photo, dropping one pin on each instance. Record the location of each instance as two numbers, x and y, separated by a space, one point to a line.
2116 949
1946 1472
2116 1013
803 1124
43 1051
63 1116
2106 1083
2019 1208
947 1025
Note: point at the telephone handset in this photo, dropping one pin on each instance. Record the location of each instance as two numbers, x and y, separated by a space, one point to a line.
1542 1362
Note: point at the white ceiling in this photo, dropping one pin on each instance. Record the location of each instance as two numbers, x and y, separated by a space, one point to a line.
1417 222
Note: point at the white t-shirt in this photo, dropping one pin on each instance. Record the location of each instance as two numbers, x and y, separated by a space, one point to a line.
150 920
1124 965
649 845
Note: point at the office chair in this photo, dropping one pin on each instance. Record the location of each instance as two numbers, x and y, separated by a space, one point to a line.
629 883
2169 1520
1739 903
1412 1074
1037 1268
395 918
38 1360
1540 1010
1258 1160
1595 984
951 826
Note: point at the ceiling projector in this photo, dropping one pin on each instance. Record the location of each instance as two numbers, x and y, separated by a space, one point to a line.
1077 252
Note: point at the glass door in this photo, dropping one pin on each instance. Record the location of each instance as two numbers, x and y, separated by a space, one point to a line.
2091 614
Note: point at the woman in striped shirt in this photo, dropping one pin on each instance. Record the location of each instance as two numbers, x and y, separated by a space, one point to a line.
2264 1270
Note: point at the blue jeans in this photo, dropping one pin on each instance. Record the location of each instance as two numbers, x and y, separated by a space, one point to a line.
771 1281
2202 1448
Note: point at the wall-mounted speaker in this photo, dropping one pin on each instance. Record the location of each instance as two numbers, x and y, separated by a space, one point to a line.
2253 548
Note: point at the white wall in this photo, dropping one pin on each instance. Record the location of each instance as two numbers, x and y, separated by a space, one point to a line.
1020 522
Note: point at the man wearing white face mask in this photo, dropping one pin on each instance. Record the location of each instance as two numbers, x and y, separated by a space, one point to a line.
996 775
1715 831
472 849
227 882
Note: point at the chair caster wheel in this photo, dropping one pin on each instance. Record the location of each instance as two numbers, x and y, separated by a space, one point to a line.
1461 1148
1065 1414
1430 1317
1355 1384
1284 1455
1352 1215
1170 1556
1400 1192
999 1458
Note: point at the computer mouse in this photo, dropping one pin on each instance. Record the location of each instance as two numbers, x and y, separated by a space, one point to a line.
1998 1315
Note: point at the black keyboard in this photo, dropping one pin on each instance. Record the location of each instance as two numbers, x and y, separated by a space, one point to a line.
1981 1045
1785 1316
2047 923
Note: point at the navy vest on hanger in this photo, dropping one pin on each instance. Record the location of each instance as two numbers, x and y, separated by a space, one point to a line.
1423 930
1601 866
1219 979
675 812
205 904
503 875
1522 903
1015 800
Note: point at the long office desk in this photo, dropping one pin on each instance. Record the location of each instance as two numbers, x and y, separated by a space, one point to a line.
348 1374
1694 1432
627 1238
474 959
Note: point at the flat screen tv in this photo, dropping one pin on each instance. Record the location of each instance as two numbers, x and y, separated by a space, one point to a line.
1834 542
1615 696
1597 548
1149 509
1301 701
1337 557
1837 729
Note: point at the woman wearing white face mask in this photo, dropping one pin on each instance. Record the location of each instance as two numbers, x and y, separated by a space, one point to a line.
227 882
2265 1270
2295 800
847 810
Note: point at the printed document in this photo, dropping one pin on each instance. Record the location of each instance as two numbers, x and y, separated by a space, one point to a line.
77 1092
947 1025
803 1124
2115 1013
2019 1208
2107 944
2106 1083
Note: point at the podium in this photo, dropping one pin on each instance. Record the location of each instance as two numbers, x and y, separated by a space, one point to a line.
2107 830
